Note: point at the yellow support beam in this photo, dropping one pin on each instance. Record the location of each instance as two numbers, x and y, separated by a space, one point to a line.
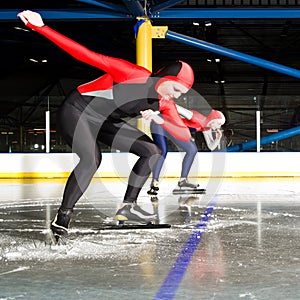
145 33
144 44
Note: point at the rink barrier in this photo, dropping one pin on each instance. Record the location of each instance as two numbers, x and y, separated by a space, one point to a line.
118 165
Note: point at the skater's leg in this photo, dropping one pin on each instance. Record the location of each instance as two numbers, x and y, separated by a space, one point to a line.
159 137
190 150
128 138
70 121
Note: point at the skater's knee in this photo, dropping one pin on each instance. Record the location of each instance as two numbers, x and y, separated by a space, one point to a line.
192 150
91 161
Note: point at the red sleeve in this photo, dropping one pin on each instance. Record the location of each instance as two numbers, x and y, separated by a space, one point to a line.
173 122
120 70
104 82
197 121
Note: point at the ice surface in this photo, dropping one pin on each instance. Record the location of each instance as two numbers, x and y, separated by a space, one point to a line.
250 248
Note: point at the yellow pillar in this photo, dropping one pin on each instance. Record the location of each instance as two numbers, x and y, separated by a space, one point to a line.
144 44
146 32
144 37
144 59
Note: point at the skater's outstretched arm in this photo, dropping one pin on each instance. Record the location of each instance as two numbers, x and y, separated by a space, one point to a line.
206 124
120 70
170 120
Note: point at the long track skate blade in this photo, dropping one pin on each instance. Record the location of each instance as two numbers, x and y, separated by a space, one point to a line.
188 192
125 226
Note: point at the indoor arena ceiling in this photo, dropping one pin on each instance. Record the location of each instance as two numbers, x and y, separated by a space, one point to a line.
35 73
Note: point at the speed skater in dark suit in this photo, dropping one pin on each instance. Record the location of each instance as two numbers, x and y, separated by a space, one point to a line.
196 122
94 112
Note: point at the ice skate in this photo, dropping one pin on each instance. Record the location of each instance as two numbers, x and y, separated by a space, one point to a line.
185 187
153 188
60 223
132 213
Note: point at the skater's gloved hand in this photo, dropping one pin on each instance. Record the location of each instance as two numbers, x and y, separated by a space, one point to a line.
28 16
151 115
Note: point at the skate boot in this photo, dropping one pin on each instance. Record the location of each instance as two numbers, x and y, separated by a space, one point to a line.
60 223
132 213
185 185
153 188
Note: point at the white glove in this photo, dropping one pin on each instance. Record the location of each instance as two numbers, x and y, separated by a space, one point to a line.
151 115
32 17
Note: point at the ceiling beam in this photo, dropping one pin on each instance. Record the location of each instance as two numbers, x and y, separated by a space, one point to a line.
69 14
233 54
172 13
227 13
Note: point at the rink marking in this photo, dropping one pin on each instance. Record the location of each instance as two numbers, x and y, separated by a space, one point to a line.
15 270
171 283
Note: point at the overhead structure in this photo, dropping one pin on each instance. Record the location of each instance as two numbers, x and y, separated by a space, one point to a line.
108 11
233 54
146 13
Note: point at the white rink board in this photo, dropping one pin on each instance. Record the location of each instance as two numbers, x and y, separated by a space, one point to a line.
206 164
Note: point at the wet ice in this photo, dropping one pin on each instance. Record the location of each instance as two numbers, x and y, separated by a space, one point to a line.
249 249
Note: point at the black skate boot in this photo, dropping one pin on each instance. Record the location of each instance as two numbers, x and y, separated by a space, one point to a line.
132 213
60 223
185 185
153 188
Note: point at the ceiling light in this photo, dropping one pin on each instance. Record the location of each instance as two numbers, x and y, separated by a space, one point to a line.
208 59
19 28
196 23
217 59
207 23
38 61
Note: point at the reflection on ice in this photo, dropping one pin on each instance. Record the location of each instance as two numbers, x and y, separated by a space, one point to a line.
29 239
248 250
15 270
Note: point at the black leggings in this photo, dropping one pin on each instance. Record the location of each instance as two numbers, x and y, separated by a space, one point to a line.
83 131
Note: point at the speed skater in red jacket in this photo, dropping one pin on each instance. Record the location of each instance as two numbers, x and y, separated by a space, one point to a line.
95 112
196 122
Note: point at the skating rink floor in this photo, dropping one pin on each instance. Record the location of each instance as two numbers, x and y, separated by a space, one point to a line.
239 241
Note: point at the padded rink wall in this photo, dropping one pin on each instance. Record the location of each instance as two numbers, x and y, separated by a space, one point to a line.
206 164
